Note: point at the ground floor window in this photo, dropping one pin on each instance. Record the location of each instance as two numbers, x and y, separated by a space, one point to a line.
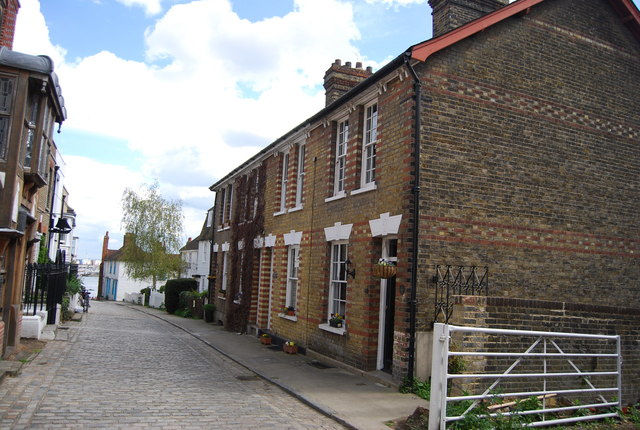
338 282
293 264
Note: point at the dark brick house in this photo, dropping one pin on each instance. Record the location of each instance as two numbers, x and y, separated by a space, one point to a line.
506 145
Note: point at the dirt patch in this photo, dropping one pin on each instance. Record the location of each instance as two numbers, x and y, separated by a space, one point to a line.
26 350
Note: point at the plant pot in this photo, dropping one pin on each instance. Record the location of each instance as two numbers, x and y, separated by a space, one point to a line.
290 313
384 272
265 340
335 324
290 349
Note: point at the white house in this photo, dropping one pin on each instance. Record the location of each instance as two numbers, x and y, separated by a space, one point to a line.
115 281
196 255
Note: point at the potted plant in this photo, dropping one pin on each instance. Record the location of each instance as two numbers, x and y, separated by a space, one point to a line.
336 320
209 310
290 347
265 339
289 311
385 269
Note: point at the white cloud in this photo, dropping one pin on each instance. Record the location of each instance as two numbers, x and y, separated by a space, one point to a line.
396 2
151 7
213 91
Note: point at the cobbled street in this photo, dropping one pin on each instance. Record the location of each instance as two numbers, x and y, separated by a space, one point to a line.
123 369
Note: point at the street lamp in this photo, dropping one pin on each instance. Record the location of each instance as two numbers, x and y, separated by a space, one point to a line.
62 227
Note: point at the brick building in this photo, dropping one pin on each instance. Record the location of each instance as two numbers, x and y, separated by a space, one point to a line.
506 145
30 105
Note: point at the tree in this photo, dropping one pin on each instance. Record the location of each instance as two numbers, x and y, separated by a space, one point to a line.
153 227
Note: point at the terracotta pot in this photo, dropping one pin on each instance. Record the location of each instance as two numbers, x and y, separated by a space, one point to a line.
265 340
290 349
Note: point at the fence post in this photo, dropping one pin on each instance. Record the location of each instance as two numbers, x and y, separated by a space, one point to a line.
438 402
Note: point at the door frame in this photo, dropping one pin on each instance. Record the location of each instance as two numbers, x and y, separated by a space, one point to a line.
383 301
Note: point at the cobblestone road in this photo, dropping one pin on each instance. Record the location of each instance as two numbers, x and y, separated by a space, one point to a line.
123 369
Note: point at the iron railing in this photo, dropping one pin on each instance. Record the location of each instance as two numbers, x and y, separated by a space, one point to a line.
454 281
44 286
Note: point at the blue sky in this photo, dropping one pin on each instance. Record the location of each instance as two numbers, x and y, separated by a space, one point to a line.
164 89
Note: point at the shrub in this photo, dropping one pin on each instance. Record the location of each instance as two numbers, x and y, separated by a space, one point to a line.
147 293
74 285
172 291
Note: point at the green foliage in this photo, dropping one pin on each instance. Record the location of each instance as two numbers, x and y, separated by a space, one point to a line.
184 313
43 254
209 307
147 293
154 234
173 288
416 386
66 312
478 418
185 299
74 285
632 413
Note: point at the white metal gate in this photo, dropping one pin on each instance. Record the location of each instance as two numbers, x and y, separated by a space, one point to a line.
558 356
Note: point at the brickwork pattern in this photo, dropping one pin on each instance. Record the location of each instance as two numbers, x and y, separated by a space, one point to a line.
530 157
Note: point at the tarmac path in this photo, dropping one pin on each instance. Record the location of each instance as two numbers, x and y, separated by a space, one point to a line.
123 369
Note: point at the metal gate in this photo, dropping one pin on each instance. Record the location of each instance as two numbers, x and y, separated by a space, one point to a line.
550 368
44 286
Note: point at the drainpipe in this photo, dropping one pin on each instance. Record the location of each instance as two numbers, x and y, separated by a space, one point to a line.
417 86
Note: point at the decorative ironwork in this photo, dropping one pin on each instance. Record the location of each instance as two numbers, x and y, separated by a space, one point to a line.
456 281
44 286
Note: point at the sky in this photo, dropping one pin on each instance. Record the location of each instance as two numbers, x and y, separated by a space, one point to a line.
183 91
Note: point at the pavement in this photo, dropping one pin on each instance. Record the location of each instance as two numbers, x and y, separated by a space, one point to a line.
356 399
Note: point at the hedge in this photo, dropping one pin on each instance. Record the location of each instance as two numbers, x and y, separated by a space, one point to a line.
172 291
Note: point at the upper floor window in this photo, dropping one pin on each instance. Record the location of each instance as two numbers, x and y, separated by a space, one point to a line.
284 180
341 157
209 218
300 177
228 203
369 145
6 97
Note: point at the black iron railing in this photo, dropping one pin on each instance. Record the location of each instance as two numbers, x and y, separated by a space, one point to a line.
44 287
455 281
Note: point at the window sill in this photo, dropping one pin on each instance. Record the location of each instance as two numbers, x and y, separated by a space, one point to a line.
288 317
340 195
224 228
369 187
326 327
280 213
296 209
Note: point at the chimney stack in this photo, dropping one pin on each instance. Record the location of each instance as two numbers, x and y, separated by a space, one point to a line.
451 14
339 79
8 15
105 245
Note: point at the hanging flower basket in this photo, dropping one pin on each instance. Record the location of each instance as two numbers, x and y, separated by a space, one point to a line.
384 271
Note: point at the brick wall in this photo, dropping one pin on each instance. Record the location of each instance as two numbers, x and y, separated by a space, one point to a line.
549 315
531 159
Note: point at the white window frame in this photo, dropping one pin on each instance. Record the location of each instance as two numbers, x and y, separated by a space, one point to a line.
228 204
293 266
284 181
300 176
225 270
342 140
338 278
369 141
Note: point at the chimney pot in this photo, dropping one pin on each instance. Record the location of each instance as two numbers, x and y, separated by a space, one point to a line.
347 64
338 62
359 65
